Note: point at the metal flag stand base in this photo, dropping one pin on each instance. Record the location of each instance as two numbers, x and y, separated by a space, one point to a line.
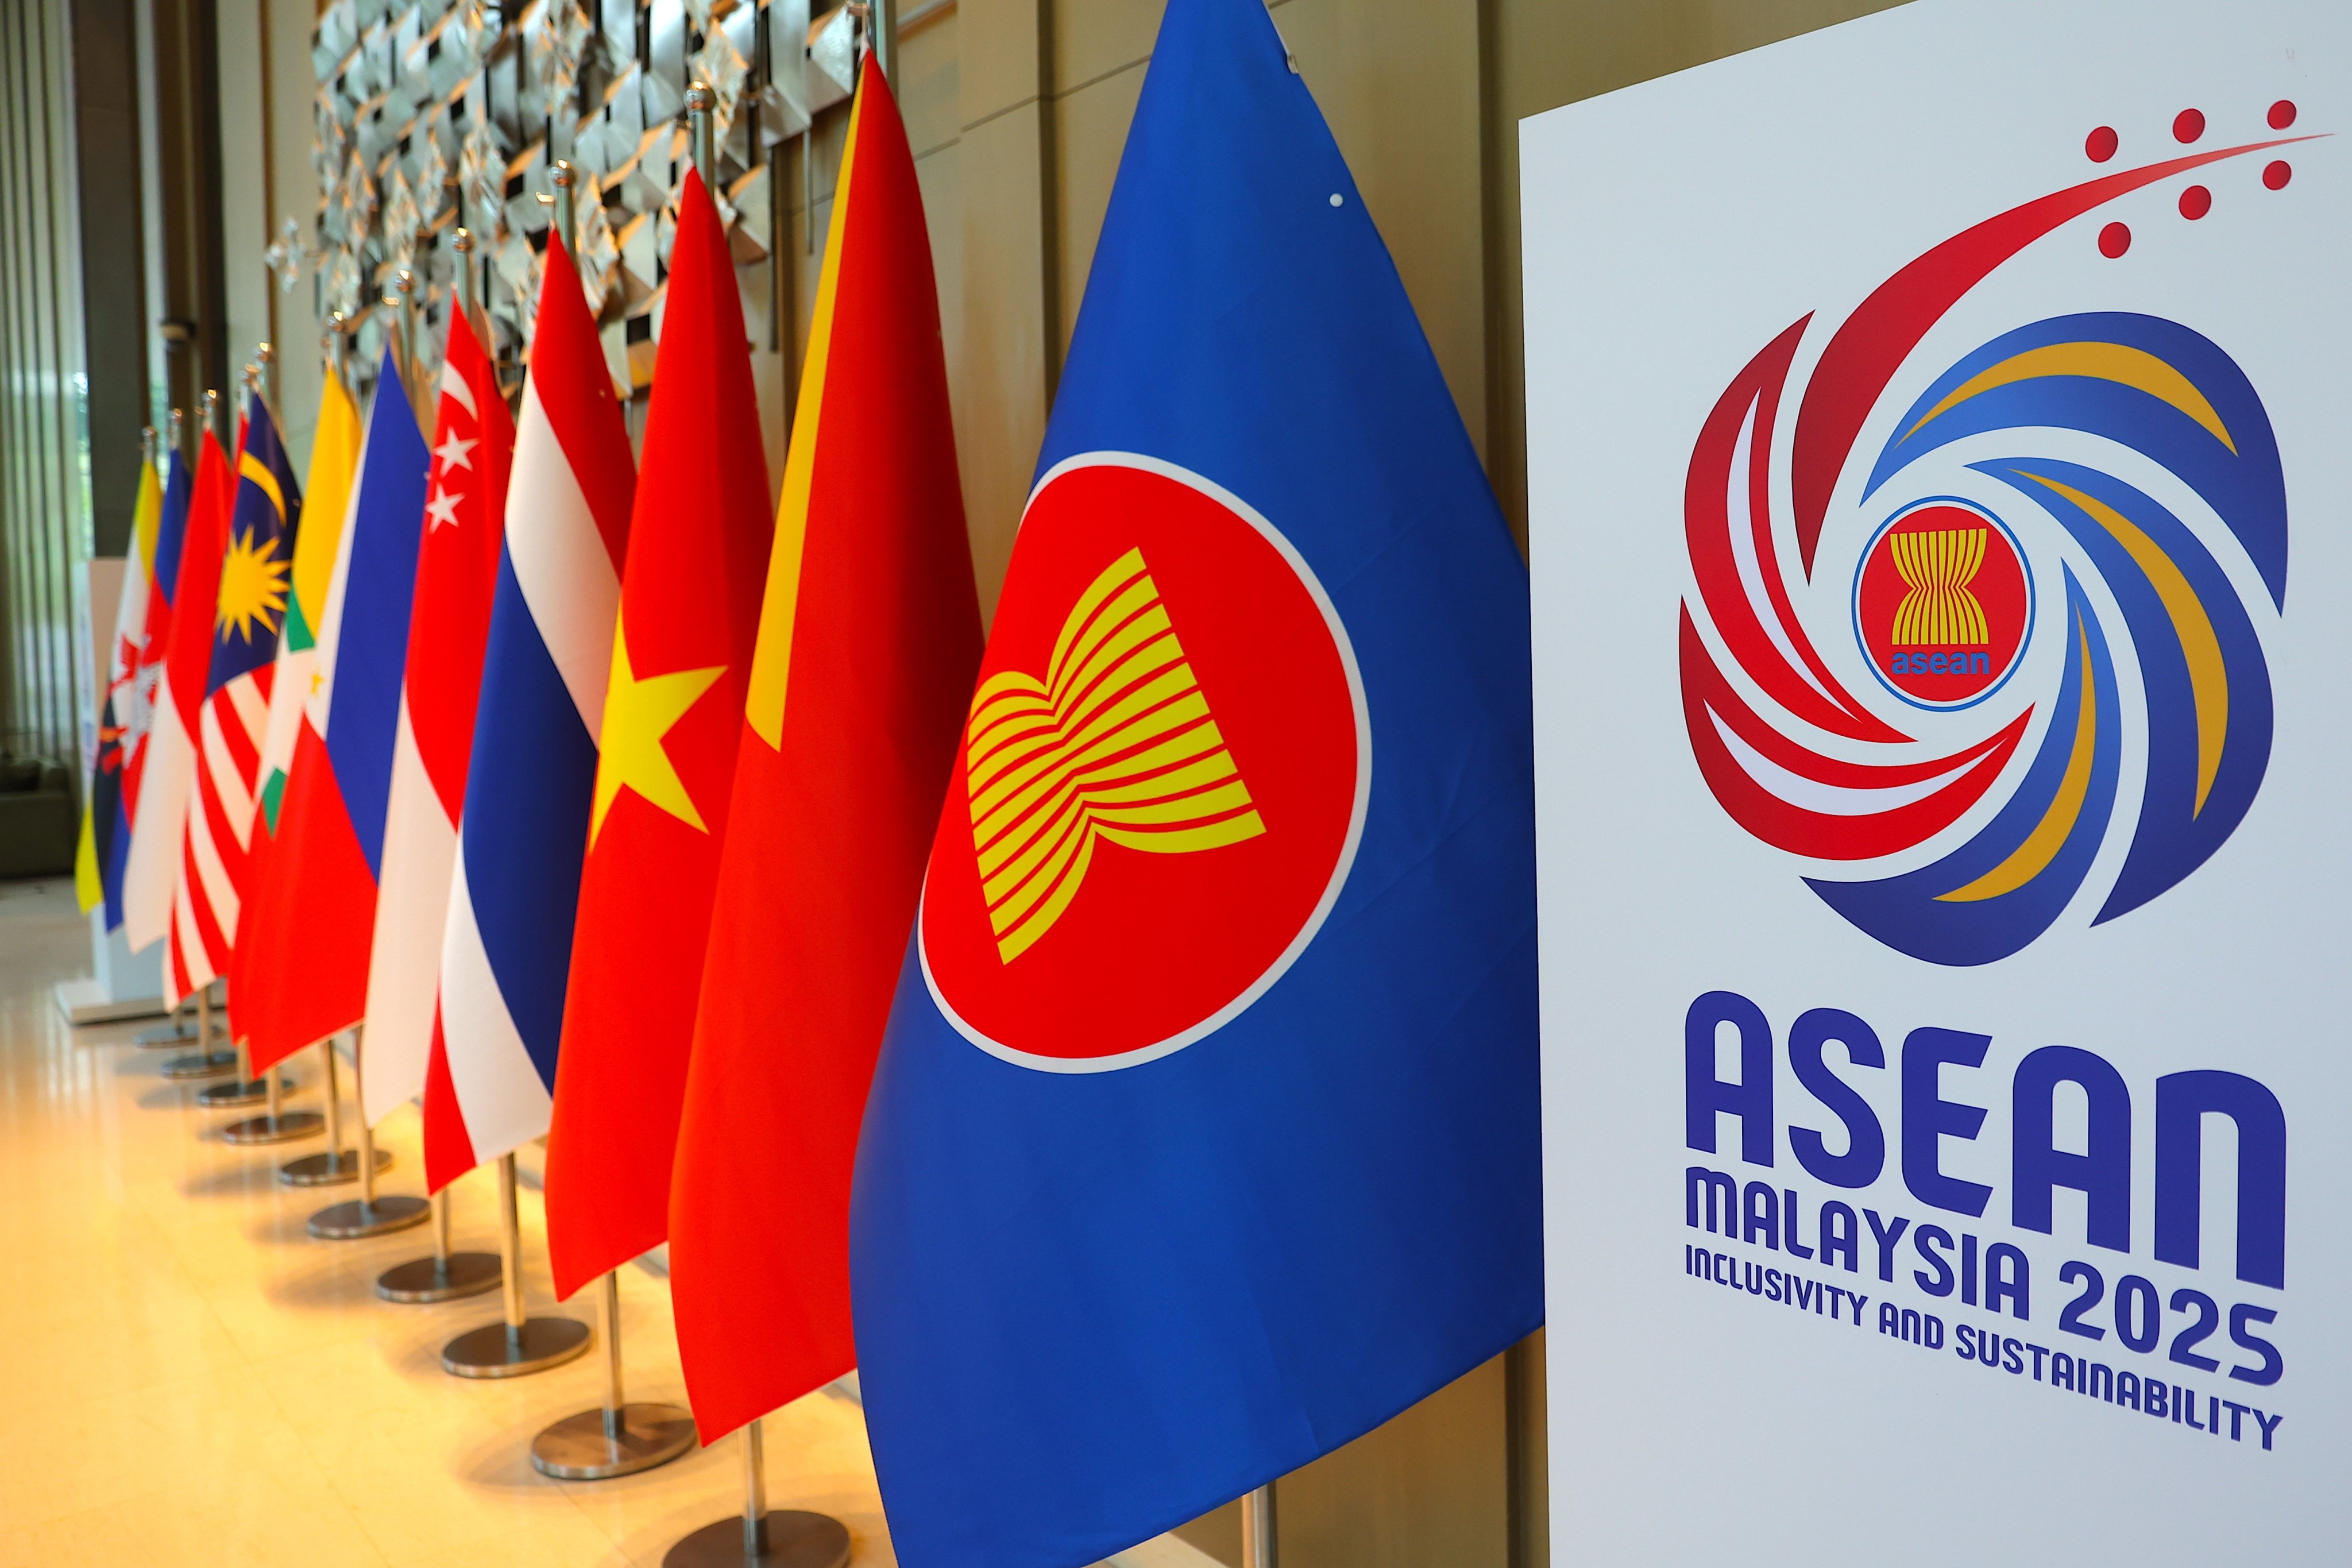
205 1062
367 1215
517 1345
276 1125
792 1538
337 1164
617 1439
168 1037
445 1275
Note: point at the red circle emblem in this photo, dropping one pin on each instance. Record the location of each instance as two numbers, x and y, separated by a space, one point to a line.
1942 604
1162 779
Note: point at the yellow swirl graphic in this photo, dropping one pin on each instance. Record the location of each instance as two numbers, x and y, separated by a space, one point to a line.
1117 741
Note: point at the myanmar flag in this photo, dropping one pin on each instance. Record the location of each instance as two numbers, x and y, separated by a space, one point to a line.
870 635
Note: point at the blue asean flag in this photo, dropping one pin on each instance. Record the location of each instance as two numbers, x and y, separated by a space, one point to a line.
1204 1137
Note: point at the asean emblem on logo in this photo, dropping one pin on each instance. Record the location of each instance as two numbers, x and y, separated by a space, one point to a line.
1162 780
2112 474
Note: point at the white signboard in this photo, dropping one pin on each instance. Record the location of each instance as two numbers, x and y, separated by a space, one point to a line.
1943 598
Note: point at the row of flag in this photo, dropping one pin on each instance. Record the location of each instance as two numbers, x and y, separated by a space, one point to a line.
624 816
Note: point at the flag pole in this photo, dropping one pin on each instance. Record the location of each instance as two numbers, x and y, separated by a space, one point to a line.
1257 1528
518 1344
337 1164
355 1219
205 1061
617 1439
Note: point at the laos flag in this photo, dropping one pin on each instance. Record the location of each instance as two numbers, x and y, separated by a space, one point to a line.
1204 1137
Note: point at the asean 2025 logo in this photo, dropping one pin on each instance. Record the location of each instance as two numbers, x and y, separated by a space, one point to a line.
2111 449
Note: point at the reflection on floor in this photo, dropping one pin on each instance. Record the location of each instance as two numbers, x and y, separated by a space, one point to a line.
187 1377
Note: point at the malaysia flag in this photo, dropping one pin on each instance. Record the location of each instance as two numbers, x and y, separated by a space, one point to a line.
250 609
450 623
508 948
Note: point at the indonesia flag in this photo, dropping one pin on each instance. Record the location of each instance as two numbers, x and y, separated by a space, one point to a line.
504 958
177 654
456 574
317 903
249 607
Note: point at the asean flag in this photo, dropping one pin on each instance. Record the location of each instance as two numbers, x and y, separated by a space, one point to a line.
315 907
673 711
1204 1136
869 633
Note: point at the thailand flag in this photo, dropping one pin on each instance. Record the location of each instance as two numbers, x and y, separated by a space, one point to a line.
457 576
507 952
1204 1137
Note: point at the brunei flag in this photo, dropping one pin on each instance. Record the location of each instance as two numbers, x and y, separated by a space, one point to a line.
315 905
448 623
1204 1136
666 761
179 651
215 869
869 633
326 489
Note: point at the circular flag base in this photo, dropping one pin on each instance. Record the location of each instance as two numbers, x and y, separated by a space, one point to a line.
585 1447
330 1170
357 1220
794 1540
285 1127
227 1096
168 1037
202 1063
421 1281
494 1350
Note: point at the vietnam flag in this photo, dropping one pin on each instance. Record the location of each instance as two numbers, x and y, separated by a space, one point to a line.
681 651
871 621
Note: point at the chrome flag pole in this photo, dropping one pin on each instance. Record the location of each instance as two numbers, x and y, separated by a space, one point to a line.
1257 1528
355 1219
617 1439
337 1164
519 1344
205 1061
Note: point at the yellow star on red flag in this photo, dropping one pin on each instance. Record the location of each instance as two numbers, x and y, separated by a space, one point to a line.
638 712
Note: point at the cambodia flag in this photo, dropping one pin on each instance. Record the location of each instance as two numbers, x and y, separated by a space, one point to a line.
177 652
315 906
1204 1136
449 621
490 1087
665 763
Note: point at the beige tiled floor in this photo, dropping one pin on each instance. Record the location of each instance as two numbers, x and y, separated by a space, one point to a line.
187 1377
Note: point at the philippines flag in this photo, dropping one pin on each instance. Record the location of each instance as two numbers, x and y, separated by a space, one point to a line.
507 949
249 608
1204 1137
316 902
456 574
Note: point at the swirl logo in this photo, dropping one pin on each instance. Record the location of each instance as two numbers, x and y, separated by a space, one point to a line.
2065 550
